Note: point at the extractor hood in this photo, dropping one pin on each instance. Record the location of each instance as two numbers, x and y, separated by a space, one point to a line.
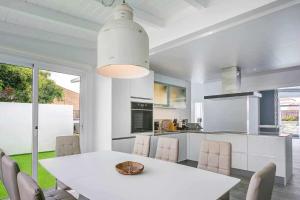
234 95
231 84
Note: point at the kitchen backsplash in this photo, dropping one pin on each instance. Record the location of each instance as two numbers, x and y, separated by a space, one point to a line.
164 113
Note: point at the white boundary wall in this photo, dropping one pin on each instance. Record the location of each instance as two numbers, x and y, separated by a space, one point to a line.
16 126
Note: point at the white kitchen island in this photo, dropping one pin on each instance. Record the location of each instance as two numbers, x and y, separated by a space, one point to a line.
251 152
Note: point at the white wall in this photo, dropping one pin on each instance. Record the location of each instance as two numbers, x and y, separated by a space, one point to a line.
16 126
167 113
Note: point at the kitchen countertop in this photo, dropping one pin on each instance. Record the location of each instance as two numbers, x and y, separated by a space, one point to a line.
160 133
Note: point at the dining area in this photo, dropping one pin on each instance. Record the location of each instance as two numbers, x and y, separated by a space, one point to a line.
99 175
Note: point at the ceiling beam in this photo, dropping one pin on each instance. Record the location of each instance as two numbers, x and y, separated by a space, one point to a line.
49 15
45 36
148 18
199 4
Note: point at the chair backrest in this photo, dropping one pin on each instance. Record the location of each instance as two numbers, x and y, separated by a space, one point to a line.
167 149
215 156
10 170
261 184
1 155
67 145
142 145
29 189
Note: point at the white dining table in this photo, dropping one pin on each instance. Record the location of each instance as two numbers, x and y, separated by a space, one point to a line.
94 176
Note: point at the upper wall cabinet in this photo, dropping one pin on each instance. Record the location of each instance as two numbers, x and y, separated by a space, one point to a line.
160 94
177 97
142 87
169 96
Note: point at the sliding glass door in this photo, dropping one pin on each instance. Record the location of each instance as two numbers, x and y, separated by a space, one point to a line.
58 115
36 106
16 90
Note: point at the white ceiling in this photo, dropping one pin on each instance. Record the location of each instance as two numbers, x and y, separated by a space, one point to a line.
67 30
265 44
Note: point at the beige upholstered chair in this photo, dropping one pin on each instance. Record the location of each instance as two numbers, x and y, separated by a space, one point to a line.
65 146
167 149
1 155
261 184
29 190
10 171
142 145
215 156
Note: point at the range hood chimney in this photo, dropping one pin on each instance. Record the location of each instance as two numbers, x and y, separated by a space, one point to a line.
231 80
231 85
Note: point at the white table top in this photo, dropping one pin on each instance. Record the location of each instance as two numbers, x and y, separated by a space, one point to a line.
94 176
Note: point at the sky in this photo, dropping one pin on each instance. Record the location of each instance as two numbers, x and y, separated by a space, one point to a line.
64 80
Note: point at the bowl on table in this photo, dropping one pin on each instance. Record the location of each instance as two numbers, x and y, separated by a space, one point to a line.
130 168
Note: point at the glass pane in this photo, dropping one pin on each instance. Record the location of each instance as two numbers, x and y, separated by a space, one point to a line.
15 115
177 97
160 94
59 115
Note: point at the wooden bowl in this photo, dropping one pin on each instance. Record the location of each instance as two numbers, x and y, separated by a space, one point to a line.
129 168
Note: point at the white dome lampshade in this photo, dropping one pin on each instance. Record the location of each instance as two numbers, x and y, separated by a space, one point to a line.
123 46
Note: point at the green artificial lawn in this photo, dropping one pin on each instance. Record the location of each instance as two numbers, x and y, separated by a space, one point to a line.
45 179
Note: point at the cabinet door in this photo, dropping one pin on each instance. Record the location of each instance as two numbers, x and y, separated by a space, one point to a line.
121 120
123 145
182 145
161 94
193 145
177 97
142 87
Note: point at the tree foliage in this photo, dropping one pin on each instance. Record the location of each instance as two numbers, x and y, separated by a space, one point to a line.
16 85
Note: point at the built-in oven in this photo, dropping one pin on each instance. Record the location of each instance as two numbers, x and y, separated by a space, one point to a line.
141 117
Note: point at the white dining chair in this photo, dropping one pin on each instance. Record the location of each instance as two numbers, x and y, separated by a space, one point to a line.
142 145
65 146
30 190
215 156
261 183
167 149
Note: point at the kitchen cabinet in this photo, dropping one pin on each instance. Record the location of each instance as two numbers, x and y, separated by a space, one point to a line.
193 145
160 94
123 145
121 120
123 92
177 97
265 149
182 155
169 96
142 87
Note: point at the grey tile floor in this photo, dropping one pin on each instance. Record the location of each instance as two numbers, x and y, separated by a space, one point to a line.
289 192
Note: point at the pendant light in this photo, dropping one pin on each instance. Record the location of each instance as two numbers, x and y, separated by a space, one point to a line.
123 46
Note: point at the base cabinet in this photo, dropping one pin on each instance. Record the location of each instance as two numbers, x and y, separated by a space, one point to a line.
123 145
193 145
